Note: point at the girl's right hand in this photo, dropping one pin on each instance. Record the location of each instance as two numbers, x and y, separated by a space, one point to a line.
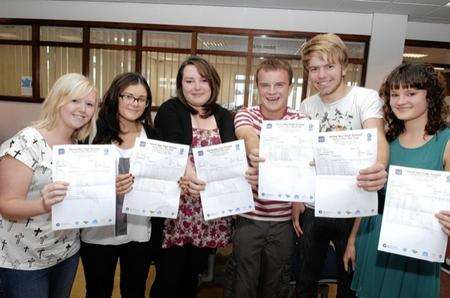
124 184
53 193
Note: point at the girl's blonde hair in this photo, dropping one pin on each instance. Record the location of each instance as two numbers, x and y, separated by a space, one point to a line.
67 87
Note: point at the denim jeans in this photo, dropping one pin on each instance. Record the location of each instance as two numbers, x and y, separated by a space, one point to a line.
52 282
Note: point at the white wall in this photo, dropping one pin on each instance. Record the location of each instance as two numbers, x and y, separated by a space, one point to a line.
213 16
428 31
16 115
385 51
386 47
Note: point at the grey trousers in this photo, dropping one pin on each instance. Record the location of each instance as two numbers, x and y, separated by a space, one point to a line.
260 265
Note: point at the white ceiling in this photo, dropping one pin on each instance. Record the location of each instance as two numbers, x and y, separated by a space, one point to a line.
431 11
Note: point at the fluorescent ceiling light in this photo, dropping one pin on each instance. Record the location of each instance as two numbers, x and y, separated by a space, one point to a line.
414 55
448 4
439 68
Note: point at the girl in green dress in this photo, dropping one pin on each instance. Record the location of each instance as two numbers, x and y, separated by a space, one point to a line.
415 112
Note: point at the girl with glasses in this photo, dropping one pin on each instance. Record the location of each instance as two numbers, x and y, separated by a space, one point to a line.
125 115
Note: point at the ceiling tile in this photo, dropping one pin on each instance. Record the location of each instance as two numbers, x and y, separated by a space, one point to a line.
292 4
429 20
410 9
441 12
362 6
427 2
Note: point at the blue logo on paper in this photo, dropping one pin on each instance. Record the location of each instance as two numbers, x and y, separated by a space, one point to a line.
25 82
181 151
369 137
448 178
61 151
106 151
142 144
311 127
321 139
237 147
398 171
269 125
200 153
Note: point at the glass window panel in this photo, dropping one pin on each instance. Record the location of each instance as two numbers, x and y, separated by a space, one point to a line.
272 45
63 34
295 97
15 67
352 78
232 76
425 54
113 36
220 42
160 69
106 64
55 62
15 32
180 40
355 49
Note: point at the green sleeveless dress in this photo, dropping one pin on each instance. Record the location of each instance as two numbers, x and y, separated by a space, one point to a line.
381 274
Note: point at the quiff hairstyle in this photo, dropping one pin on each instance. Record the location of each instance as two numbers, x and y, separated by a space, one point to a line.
68 87
271 64
328 46
208 72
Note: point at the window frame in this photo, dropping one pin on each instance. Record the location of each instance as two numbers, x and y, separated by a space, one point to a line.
139 49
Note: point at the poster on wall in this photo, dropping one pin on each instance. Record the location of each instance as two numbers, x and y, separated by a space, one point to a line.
25 86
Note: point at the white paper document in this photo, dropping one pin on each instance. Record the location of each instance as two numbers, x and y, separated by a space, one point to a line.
287 174
409 225
157 166
90 171
339 155
223 169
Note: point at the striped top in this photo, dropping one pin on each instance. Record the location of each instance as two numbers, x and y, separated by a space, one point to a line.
265 209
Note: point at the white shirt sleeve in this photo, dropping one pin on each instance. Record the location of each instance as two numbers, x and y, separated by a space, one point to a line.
370 106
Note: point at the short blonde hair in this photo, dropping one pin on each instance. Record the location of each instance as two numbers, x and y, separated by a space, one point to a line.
329 45
66 88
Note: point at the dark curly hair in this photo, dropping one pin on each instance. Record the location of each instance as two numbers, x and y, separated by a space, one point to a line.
108 128
418 76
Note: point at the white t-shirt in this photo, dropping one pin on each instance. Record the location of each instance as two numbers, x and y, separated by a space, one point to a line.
349 112
138 227
30 244
346 113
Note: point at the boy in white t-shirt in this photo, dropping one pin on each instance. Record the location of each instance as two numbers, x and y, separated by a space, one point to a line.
338 107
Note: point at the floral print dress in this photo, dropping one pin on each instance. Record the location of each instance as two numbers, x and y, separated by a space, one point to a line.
190 227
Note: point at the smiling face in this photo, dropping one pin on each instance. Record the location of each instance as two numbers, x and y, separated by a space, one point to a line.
195 87
273 89
327 77
131 109
77 112
409 104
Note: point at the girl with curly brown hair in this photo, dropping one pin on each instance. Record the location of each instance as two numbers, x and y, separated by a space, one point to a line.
415 112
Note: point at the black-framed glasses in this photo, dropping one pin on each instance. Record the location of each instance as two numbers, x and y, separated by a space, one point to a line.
130 98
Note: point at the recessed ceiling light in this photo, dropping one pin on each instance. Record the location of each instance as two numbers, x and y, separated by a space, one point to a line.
414 55
448 4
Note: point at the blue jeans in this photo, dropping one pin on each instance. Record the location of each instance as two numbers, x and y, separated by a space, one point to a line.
54 282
